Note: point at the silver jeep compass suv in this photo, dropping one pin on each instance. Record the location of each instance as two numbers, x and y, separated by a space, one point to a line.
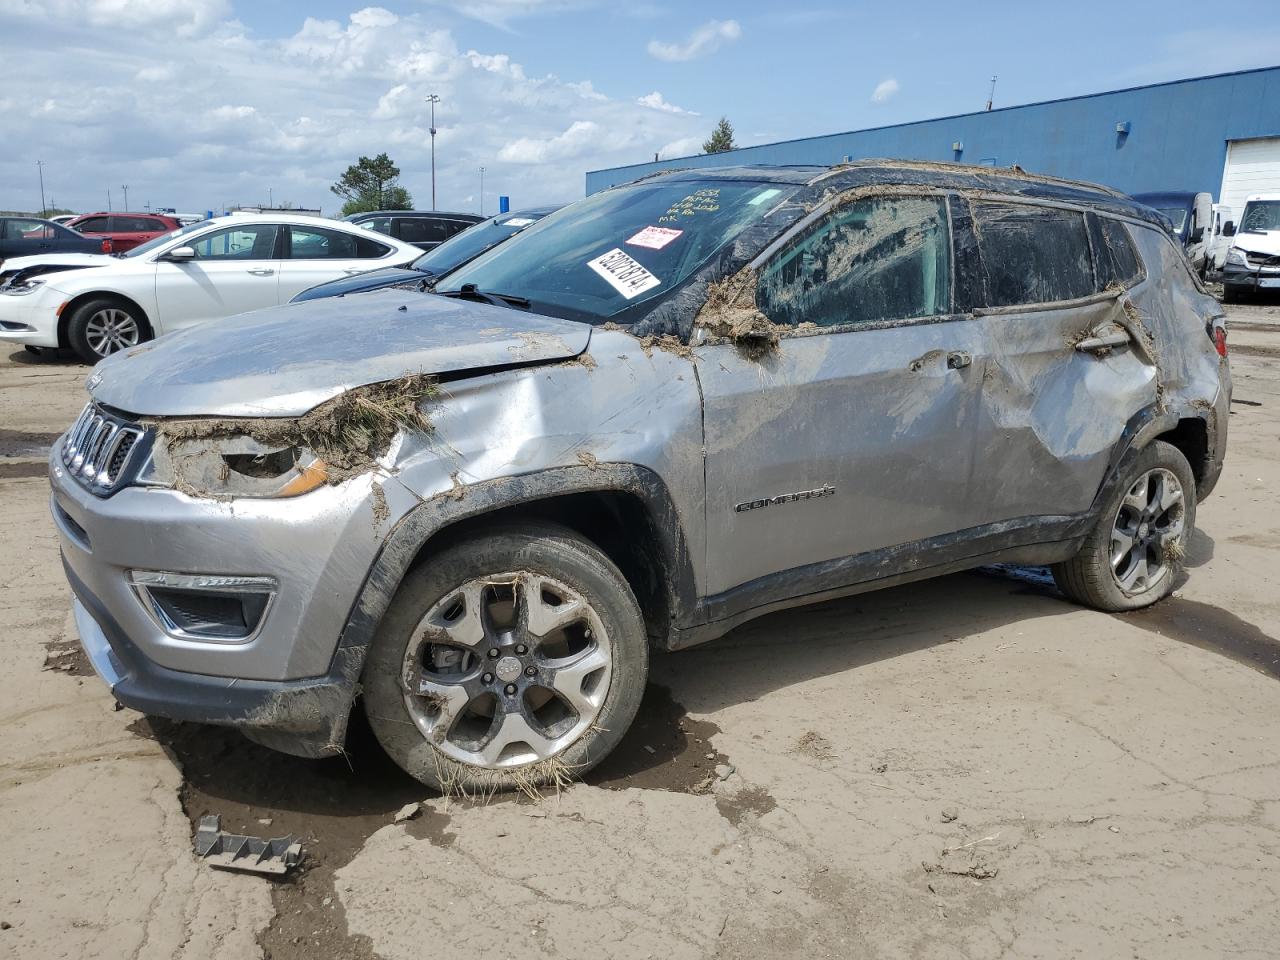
657 413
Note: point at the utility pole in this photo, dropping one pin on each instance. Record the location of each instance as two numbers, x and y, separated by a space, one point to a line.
433 99
43 208
125 188
482 191
991 97
108 199
271 203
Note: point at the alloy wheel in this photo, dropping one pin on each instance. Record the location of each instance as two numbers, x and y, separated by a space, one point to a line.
1146 537
507 670
111 329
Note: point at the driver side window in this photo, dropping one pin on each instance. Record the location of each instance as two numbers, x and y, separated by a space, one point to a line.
249 242
867 261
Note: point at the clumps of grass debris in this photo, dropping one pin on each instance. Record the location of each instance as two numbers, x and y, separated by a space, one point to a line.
1174 551
730 313
667 342
530 781
349 432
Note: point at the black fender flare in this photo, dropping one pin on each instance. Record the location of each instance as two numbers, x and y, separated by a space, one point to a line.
1142 428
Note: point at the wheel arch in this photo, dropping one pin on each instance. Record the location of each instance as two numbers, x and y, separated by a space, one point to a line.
602 503
1189 427
80 299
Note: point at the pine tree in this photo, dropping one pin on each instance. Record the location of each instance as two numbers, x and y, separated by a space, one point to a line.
721 138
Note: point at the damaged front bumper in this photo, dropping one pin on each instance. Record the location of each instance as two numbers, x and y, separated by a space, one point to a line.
288 682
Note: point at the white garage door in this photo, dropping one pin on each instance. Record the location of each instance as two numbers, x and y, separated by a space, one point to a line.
1253 166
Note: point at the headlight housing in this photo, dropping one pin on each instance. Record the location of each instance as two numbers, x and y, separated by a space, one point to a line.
24 289
1236 255
234 467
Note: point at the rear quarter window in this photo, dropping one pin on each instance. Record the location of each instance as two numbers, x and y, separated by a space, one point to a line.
1032 254
1115 259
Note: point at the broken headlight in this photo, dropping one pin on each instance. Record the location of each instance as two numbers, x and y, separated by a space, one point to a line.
226 468
1236 256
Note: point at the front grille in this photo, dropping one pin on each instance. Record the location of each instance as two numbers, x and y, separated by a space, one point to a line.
1262 260
99 449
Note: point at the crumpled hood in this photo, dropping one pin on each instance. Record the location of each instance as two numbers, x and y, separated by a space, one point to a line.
1267 243
283 361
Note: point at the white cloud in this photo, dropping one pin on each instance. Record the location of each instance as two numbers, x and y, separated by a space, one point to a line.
885 90
184 17
684 147
500 13
706 39
656 101
202 121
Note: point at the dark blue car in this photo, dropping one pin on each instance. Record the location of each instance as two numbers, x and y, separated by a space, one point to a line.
31 237
431 266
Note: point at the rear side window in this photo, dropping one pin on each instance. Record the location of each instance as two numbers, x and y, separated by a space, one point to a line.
1033 254
883 258
421 230
378 224
135 225
317 243
1115 259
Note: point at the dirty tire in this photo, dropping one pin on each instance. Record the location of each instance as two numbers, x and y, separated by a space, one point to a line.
533 550
1090 577
101 326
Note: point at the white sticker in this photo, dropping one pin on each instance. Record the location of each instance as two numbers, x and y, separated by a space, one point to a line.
655 238
762 196
518 222
622 273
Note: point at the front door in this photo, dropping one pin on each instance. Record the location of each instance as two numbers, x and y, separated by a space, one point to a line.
236 269
854 435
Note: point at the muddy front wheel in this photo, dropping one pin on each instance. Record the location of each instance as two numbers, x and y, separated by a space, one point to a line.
510 660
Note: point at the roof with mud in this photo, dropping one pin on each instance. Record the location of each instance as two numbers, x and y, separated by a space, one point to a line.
1011 181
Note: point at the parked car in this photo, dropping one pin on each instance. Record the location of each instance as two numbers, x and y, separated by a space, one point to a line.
203 271
125 230
1253 262
671 407
1191 214
63 218
31 236
459 249
421 228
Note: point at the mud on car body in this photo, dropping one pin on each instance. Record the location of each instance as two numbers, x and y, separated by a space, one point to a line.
655 414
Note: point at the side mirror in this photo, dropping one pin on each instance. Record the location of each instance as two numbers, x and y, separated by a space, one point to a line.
180 254
1229 229
1197 234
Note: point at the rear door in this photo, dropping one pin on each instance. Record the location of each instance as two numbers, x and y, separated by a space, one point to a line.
1067 367
320 254
855 433
236 269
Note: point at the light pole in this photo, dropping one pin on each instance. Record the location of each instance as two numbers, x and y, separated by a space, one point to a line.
271 203
433 99
125 188
482 191
40 167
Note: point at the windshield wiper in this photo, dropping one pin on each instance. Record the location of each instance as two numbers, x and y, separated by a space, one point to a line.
469 291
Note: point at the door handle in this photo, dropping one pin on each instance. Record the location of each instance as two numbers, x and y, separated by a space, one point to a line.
957 360
263 272
1104 342
352 271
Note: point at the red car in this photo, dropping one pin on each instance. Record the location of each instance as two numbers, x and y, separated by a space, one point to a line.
125 230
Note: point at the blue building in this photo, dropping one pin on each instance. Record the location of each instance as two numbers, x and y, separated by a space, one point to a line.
1219 134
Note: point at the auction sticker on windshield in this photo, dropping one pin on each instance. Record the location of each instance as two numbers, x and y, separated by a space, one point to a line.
625 275
655 238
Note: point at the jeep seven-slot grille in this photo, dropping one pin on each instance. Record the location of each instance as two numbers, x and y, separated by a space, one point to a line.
99 448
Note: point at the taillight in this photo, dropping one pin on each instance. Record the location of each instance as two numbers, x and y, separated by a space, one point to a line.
106 245
1220 340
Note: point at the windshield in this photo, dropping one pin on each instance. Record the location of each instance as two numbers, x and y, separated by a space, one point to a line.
471 242
164 238
1177 214
620 248
1261 216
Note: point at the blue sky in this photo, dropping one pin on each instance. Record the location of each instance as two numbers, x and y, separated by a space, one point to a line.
201 103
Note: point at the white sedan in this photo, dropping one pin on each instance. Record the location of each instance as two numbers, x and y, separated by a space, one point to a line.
205 271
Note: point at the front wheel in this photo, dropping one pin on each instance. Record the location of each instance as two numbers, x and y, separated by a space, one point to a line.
100 327
510 660
1131 557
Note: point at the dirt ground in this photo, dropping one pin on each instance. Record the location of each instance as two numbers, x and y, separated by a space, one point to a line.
969 767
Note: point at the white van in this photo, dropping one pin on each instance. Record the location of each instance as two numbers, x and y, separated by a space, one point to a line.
1253 262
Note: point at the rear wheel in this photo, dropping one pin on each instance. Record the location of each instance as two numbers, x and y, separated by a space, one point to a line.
101 327
1131 557
510 660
